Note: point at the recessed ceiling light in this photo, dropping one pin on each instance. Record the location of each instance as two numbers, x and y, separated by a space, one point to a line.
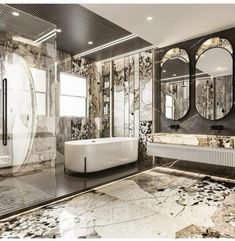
15 14
107 45
58 30
149 18
174 75
164 71
90 42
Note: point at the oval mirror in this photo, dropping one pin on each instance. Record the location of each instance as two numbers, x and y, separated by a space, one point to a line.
175 84
214 79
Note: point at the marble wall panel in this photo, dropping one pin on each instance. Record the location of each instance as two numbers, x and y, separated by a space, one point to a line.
132 93
83 129
145 77
133 98
106 97
63 133
126 96
105 126
72 128
119 97
76 129
145 128
136 97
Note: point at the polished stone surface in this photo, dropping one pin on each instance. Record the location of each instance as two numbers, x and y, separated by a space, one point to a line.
23 191
216 141
153 204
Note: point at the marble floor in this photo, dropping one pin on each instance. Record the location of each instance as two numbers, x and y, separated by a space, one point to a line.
21 192
159 203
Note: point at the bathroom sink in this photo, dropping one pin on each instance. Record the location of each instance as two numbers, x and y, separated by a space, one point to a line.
217 141
210 149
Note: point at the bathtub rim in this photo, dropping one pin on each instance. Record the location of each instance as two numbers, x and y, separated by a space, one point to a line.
92 142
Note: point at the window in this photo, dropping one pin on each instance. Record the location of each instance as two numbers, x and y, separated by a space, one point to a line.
73 95
169 106
40 84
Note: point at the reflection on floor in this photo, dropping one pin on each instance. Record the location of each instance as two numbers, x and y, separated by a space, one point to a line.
30 190
156 203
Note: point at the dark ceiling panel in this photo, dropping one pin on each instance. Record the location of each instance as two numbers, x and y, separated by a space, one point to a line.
79 25
122 48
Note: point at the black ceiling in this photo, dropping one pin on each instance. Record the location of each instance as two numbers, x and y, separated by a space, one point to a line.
79 25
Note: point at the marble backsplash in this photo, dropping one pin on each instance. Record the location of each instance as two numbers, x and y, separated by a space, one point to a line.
214 141
75 129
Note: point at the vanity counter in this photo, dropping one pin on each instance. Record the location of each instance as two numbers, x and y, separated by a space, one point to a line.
216 141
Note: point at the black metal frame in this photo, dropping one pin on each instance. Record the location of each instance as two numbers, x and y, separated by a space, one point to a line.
189 79
4 112
195 66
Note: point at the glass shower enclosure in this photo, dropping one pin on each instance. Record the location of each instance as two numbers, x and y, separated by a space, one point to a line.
27 110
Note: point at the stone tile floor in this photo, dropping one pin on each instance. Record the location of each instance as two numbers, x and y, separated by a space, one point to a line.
19 192
159 203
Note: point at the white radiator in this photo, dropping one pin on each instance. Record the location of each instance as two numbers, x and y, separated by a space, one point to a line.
210 155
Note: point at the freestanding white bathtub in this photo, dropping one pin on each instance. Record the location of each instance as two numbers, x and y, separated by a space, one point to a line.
86 156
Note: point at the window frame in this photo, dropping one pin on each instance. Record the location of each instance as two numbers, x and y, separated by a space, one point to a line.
75 96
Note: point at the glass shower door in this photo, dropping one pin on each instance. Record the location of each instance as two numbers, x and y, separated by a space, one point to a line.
27 111
18 110
5 152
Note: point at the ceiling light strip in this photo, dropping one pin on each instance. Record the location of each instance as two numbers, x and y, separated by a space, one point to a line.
44 36
151 47
50 36
107 45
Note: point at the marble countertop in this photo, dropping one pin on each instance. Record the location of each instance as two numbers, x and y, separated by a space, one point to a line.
193 139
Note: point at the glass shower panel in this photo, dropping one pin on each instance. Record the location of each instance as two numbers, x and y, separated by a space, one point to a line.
21 116
27 122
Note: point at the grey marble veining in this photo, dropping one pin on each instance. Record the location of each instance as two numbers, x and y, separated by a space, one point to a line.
72 128
159 203
145 76
145 128
215 141
131 95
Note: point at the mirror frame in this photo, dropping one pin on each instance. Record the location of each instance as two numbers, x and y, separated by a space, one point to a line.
182 54
221 43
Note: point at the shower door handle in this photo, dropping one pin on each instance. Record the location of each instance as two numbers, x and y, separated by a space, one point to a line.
4 112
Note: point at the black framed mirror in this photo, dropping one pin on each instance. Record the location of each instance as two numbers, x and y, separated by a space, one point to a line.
175 79
214 78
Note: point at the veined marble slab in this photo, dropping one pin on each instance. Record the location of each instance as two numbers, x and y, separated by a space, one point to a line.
159 203
194 140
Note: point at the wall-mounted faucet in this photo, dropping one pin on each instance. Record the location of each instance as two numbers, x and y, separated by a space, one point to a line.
175 127
217 127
